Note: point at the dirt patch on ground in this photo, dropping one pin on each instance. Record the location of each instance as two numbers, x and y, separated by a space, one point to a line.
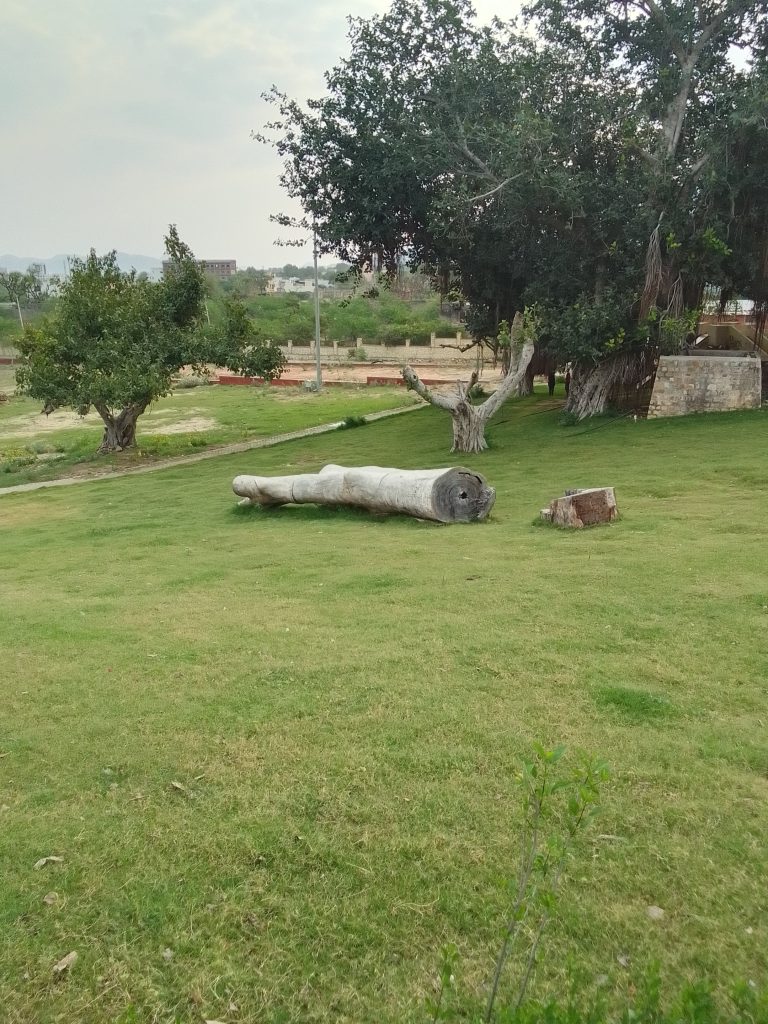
189 425
357 373
30 424
164 421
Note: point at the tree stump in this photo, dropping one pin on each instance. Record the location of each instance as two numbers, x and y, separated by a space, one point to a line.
442 495
582 508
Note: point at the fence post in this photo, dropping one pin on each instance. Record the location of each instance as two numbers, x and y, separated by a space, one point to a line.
433 340
290 348
407 343
335 349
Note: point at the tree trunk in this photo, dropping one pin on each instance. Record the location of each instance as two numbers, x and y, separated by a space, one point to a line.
620 377
119 431
442 495
469 420
468 428
525 387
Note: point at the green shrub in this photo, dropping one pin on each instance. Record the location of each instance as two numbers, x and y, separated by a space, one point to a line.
352 421
185 383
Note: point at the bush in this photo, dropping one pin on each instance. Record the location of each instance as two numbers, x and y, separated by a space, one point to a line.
184 383
14 459
358 354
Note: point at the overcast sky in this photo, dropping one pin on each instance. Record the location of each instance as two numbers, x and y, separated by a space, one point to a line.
122 116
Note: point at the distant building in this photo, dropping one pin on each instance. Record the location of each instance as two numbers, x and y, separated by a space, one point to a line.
280 285
213 268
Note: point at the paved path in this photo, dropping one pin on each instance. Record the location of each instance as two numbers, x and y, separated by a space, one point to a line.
210 453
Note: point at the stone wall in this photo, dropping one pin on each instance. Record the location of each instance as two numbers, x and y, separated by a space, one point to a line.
686 384
440 350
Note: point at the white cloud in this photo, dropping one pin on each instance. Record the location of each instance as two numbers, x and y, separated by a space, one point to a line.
129 116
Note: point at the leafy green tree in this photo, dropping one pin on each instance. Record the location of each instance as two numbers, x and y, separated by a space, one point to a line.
114 342
245 284
686 98
238 340
472 153
590 172
16 286
21 288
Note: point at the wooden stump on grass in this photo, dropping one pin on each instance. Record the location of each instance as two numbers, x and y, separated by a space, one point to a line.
582 508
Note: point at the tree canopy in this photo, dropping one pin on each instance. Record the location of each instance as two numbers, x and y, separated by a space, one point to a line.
607 167
115 341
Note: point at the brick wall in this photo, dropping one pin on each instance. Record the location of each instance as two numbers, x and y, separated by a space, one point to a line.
686 384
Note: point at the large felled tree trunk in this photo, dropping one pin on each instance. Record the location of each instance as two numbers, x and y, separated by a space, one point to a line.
120 430
469 420
443 495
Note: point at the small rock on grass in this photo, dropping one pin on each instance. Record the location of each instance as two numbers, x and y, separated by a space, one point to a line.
65 963
655 913
50 898
47 860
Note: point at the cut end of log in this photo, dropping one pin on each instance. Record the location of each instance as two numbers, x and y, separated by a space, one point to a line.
580 508
461 496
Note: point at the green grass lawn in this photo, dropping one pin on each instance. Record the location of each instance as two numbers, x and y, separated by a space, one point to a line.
343 700
7 378
35 447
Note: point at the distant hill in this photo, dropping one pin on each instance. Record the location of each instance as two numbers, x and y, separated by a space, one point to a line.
58 264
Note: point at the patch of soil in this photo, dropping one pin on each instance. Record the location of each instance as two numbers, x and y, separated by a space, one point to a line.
36 423
164 421
189 425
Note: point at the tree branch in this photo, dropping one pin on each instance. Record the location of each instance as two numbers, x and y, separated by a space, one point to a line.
654 11
709 30
463 147
700 163
645 156
433 397
508 385
103 410
498 188
461 348
464 388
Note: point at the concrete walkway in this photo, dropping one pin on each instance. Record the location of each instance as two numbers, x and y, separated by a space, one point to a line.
209 453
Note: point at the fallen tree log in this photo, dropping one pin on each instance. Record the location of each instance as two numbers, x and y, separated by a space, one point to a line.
442 495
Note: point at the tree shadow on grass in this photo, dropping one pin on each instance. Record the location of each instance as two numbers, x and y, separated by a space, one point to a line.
298 514
634 704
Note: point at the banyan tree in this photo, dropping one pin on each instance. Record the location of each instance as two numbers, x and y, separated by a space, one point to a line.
607 168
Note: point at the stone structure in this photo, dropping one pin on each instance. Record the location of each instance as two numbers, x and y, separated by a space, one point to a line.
705 383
